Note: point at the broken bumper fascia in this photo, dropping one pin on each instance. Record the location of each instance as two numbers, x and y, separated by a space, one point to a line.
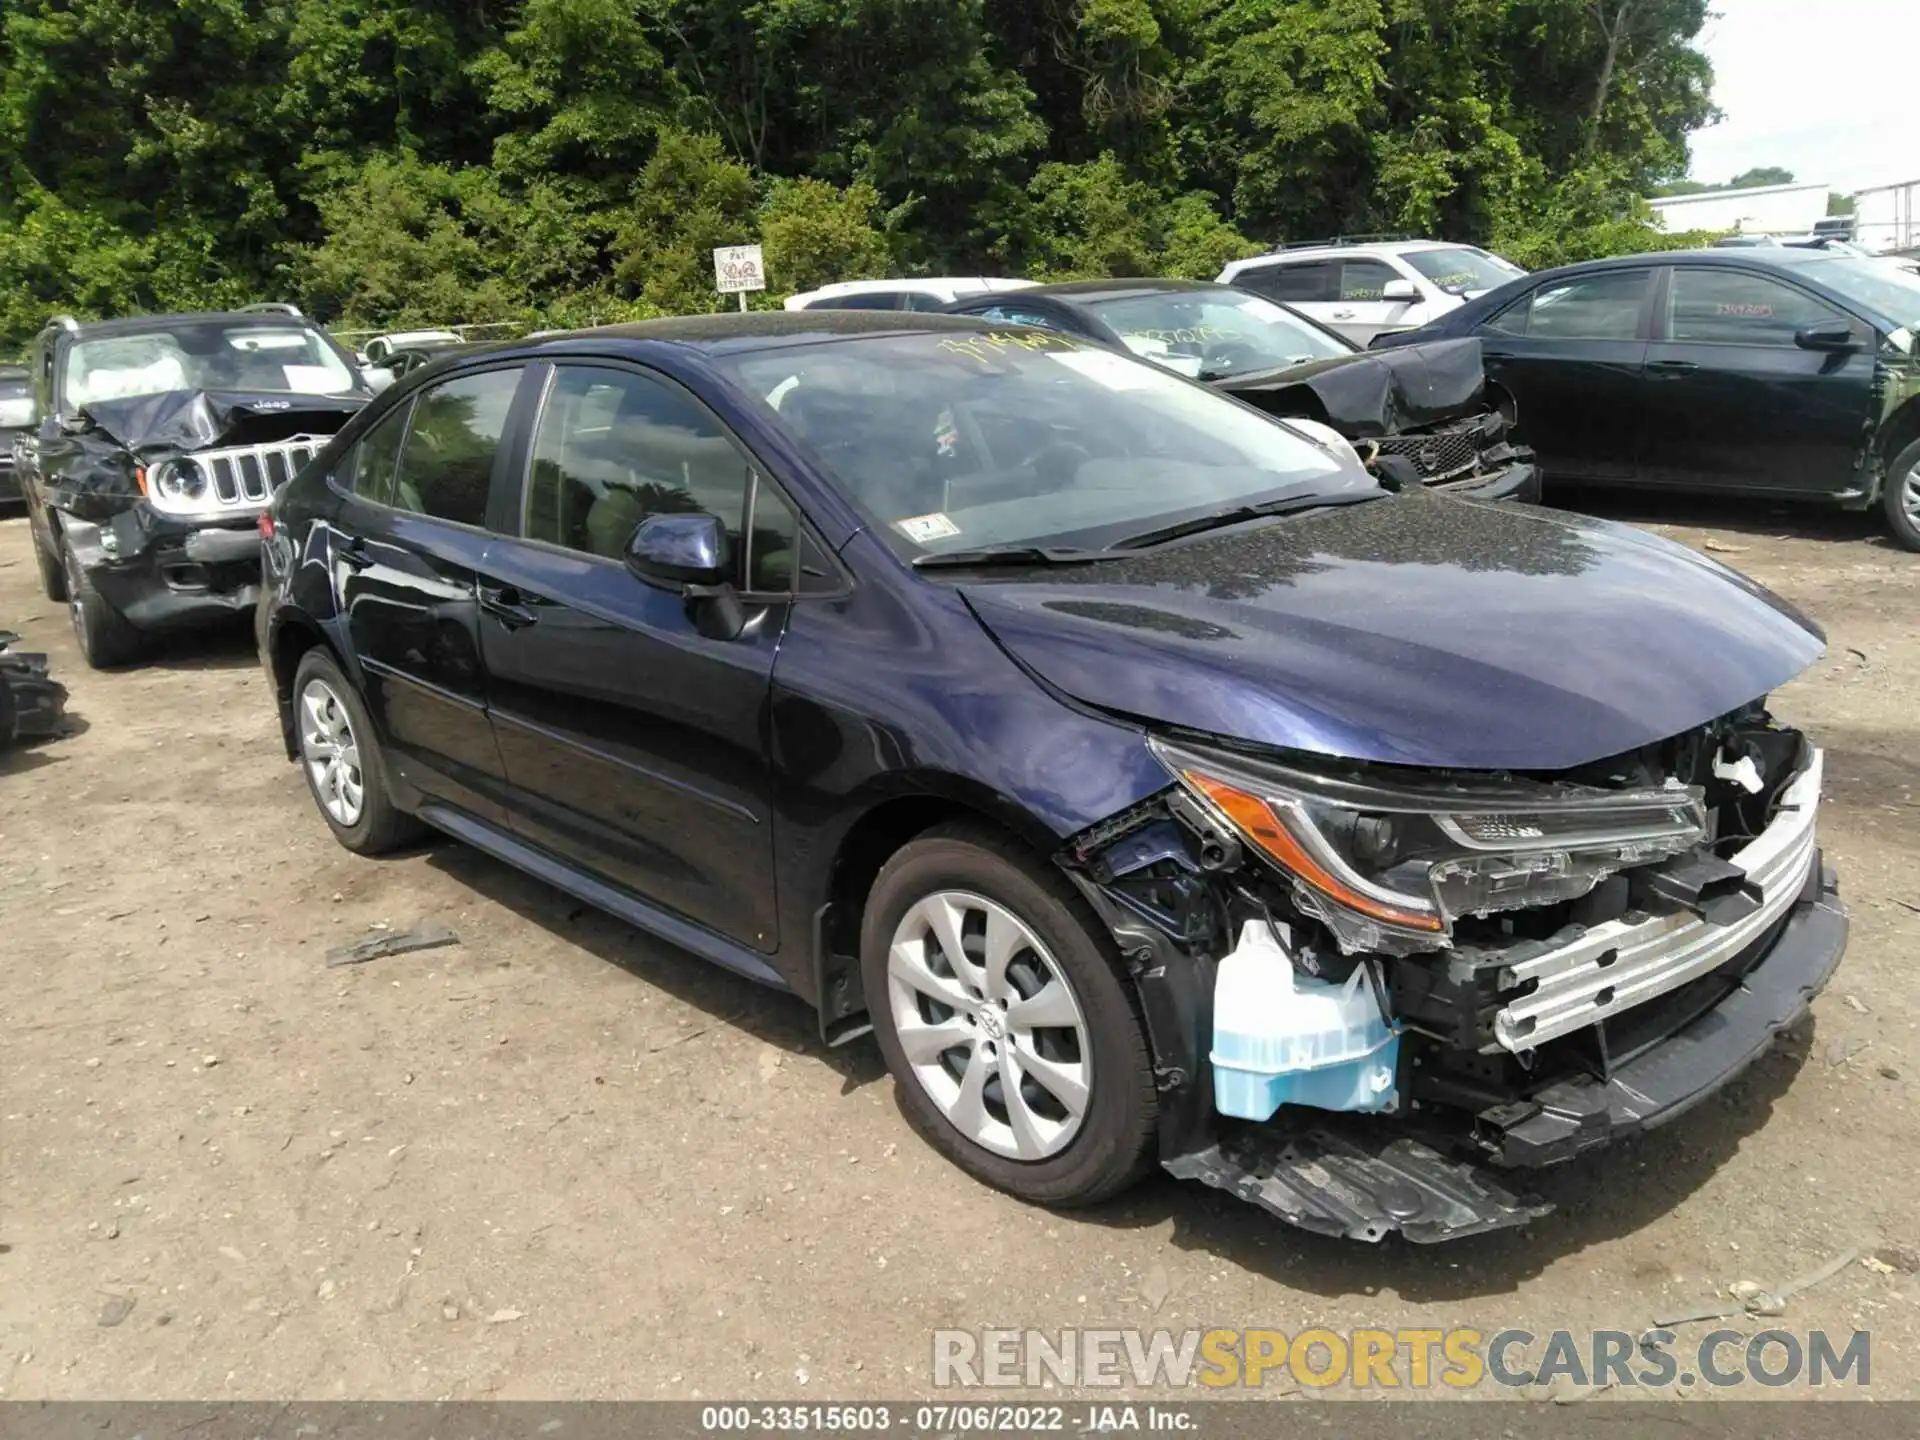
1436 1171
163 573
1668 1078
1519 481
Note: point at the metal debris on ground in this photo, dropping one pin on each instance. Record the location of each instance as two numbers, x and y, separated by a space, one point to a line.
1757 1299
391 942
32 707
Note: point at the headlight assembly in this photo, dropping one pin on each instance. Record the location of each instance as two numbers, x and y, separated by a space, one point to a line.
177 485
1396 864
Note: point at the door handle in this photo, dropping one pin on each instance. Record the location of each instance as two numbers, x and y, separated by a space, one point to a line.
1672 367
353 554
504 604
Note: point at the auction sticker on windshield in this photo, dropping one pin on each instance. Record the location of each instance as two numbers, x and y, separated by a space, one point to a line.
923 528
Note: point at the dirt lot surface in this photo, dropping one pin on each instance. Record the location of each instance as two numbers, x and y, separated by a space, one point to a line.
561 1160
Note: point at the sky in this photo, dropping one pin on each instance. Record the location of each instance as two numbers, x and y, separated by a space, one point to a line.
1824 88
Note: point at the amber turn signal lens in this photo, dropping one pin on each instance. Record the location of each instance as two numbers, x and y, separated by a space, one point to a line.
1255 819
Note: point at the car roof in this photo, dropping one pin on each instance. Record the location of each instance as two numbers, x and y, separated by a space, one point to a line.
133 324
1354 247
731 332
922 284
1118 289
1739 257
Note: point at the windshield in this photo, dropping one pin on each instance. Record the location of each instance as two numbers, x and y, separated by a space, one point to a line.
959 440
16 403
205 356
1894 292
1212 334
1461 268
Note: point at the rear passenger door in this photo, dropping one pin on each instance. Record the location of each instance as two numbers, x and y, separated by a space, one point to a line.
634 743
1572 353
405 553
1310 286
1734 403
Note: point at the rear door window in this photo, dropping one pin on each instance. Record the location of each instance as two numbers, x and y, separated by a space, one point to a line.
446 465
1731 307
1587 307
1298 282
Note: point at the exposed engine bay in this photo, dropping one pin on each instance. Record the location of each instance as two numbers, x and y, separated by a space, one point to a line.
1503 969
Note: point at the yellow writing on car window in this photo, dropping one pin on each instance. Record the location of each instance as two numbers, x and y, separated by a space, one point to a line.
1744 309
995 343
1185 335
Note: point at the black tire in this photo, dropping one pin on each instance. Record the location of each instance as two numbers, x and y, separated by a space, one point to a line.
46 554
1902 522
105 636
381 826
1113 1147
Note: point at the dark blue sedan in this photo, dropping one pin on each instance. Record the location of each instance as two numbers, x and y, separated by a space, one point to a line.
1154 783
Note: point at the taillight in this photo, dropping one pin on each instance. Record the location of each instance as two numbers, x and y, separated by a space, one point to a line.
266 525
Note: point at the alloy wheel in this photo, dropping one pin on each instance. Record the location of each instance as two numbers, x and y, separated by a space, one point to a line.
331 753
990 1025
1910 496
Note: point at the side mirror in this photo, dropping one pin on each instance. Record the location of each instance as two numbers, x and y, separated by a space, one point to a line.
1834 336
1400 290
378 377
678 552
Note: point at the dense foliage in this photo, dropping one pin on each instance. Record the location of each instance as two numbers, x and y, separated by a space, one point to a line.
390 161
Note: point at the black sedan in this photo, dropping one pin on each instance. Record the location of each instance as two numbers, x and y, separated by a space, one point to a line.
1764 372
1151 781
1425 410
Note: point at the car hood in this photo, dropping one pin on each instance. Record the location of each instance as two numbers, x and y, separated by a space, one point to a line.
1418 630
177 420
1374 393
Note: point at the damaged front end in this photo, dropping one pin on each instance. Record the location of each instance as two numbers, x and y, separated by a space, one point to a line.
1367 985
158 497
1424 410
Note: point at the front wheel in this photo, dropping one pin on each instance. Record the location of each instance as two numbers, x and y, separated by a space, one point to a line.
1901 497
105 636
1011 1034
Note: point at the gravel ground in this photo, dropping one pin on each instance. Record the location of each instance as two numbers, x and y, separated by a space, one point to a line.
562 1160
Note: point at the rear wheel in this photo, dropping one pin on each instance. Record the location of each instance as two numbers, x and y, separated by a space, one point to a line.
341 758
104 634
1011 1033
1901 497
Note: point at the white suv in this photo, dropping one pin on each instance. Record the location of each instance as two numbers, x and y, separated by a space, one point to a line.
927 293
1365 288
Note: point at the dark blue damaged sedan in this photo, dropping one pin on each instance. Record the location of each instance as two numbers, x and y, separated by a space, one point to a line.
1154 783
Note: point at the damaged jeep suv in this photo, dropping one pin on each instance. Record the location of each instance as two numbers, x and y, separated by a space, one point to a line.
1154 783
153 446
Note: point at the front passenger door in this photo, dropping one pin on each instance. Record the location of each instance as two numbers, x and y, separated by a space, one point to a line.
635 744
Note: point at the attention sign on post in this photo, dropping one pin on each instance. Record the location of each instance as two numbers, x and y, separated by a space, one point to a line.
738 269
